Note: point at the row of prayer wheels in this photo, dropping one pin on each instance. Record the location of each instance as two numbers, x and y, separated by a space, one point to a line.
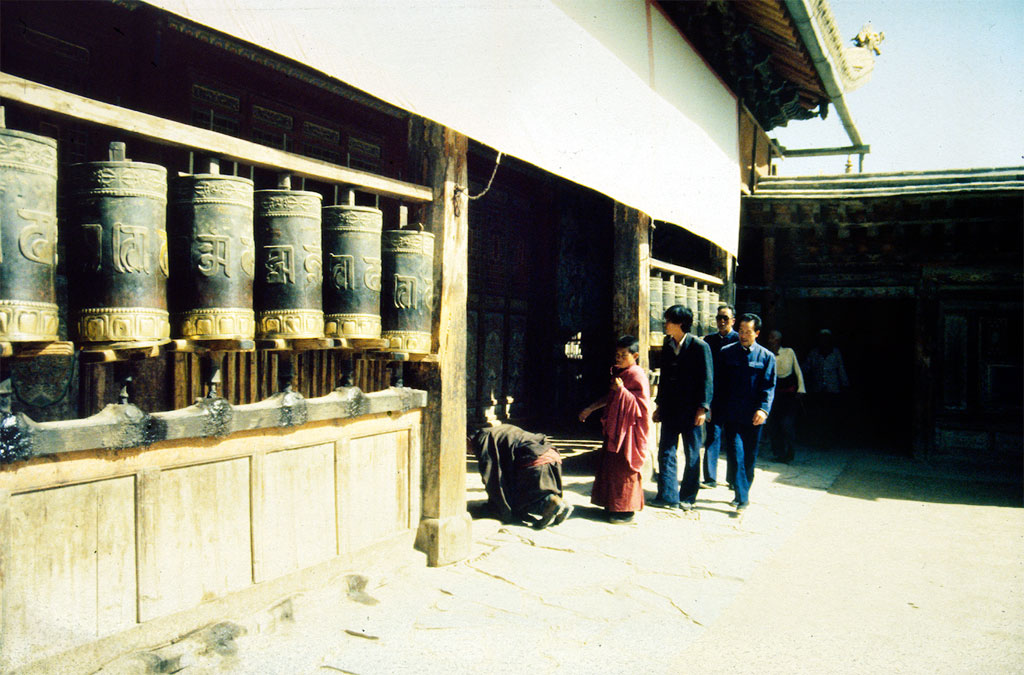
665 292
209 259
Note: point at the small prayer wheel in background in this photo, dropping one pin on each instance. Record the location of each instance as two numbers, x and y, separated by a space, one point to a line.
657 311
679 293
690 300
407 293
352 276
712 311
700 319
289 263
118 258
28 236
212 256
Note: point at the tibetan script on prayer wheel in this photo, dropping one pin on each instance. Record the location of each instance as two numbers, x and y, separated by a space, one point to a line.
119 263
352 272
407 291
213 257
289 265
28 237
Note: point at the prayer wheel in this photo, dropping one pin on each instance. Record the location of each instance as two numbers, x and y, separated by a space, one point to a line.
700 319
691 302
407 291
713 311
289 263
352 280
120 265
212 257
657 311
679 295
28 237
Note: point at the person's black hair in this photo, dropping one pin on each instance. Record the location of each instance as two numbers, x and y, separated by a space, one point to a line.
680 315
754 318
726 305
629 343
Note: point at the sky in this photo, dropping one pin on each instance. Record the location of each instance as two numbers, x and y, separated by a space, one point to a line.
947 91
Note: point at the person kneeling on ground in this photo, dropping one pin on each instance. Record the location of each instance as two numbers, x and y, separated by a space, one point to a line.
522 474
618 486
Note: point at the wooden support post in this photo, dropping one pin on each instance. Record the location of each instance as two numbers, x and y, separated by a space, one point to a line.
6 578
438 157
631 255
147 556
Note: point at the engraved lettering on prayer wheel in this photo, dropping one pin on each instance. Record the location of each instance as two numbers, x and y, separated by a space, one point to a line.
407 289
657 312
28 237
212 257
352 272
119 262
289 265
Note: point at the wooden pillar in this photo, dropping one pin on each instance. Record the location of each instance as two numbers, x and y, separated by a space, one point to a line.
437 158
631 256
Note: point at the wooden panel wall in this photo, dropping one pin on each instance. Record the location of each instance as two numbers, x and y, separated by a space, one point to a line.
70 575
151 533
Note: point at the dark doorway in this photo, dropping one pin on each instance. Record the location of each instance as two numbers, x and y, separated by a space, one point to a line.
876 338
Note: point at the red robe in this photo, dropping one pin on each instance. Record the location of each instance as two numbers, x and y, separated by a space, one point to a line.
626 423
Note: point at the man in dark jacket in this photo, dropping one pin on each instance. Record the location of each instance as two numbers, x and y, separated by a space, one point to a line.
683 401
744 389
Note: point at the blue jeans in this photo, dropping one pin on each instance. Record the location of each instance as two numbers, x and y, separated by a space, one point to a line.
669 489
740 441
712 446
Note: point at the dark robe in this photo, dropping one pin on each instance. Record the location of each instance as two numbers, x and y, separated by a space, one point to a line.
519 469
626 423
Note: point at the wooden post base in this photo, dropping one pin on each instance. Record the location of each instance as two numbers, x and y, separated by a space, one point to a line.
445 540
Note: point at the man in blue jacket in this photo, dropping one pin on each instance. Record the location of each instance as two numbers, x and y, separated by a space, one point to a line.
684 398
744 389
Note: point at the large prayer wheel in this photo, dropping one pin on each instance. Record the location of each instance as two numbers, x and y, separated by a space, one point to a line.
657 311
120 263
289 264
28 237
407 292
352 279
212 257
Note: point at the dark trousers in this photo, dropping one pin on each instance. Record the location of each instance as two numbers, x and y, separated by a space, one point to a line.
712 446
740 441
669 489
782 426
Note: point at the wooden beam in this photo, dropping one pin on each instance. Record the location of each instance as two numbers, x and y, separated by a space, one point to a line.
177 134
631 280
684 271
437 156
824 152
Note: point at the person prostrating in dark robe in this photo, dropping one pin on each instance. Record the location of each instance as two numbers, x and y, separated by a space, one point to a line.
522 475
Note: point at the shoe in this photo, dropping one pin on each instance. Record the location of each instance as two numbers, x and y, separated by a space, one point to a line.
659 503
734 503
562 514
686 506
620 517
552 505
741 507
709 484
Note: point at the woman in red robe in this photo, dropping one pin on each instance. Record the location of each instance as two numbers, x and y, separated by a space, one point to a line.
618 486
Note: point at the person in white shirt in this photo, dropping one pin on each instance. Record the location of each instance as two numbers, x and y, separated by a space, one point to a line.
789 385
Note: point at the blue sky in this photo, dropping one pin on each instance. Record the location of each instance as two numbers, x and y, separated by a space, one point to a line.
947 91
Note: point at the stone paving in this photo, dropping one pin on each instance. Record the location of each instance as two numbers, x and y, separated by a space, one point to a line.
705 591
